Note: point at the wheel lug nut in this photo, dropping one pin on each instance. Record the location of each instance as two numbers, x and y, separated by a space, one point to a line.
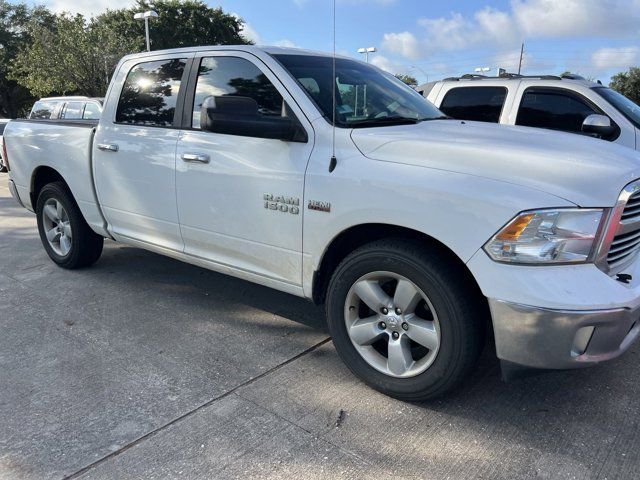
385 310
383 325
405 326
395 335
398 311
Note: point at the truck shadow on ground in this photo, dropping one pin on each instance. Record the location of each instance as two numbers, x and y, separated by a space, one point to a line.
206 287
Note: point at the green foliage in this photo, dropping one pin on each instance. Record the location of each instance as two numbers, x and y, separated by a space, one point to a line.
179 23
69 56
64 54
15 24
408 79
628 84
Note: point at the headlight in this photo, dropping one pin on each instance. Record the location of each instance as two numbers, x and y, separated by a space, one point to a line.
547 236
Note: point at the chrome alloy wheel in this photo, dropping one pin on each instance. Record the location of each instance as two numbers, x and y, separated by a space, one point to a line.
57 227
392 324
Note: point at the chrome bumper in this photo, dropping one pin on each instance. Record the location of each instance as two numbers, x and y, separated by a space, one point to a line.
14 193
542 338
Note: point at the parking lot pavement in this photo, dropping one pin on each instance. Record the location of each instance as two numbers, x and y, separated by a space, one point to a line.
145 367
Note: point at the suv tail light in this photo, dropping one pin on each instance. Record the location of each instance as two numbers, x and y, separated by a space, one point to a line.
5 157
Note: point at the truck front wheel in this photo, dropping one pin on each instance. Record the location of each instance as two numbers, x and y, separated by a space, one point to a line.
65 235
407 322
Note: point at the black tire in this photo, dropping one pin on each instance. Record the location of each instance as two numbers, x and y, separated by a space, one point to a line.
86 245
461 310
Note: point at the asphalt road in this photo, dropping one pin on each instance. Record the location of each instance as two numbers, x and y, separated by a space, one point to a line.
145 367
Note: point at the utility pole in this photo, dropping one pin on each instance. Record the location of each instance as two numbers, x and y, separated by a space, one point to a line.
521 55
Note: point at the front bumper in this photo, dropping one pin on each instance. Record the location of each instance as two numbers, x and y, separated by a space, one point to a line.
545 338
541 314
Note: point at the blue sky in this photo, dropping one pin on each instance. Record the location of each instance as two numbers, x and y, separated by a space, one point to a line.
427 38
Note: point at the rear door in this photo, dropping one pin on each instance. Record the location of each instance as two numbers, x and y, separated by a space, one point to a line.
239 196
134 150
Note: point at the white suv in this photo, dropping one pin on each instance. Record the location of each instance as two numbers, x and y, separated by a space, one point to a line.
568 103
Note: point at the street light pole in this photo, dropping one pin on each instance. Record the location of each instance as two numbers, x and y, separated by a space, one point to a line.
366 52
146 16
146 33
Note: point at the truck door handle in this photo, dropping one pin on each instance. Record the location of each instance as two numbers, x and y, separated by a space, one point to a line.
108 147
195 157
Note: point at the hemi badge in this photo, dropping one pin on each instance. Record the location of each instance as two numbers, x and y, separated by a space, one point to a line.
319 206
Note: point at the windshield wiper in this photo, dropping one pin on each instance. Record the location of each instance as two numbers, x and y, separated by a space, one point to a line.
382 121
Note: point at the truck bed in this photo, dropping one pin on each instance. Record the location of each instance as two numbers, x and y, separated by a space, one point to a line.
65 146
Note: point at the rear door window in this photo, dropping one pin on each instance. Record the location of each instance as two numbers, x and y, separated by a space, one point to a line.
150 93
72 111
91 111
555 109
480 104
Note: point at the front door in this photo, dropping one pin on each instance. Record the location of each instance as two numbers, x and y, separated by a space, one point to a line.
239 196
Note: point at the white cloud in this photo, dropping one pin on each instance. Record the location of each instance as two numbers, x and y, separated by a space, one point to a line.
510 60
457 32
250 33
302 3
383 3
404 43
285 42
87 7
615 58
387 65
562 18
525 19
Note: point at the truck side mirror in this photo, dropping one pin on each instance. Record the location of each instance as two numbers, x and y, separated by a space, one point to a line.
599 126
236 115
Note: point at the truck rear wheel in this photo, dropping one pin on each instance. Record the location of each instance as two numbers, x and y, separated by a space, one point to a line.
408 323
65 235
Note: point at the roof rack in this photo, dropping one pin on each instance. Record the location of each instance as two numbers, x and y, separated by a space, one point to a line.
512 76
466 76
541 77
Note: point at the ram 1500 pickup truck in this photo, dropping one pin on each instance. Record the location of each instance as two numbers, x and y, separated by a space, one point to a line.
420 234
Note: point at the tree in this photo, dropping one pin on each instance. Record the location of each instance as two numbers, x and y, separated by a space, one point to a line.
179 23
408 79
70 56
628 84
15 22
73 55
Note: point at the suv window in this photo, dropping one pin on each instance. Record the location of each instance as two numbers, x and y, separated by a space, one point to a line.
43 109
481 104
233 76
73 111
150 93
91 111
555 109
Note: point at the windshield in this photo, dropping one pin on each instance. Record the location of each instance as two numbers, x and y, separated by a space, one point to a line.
625 106
365 95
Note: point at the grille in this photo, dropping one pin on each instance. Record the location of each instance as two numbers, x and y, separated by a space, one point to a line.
626 243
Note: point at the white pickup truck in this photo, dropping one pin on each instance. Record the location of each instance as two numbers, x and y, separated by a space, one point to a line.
421 236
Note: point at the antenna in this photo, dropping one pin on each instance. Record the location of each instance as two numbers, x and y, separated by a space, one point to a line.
334 161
